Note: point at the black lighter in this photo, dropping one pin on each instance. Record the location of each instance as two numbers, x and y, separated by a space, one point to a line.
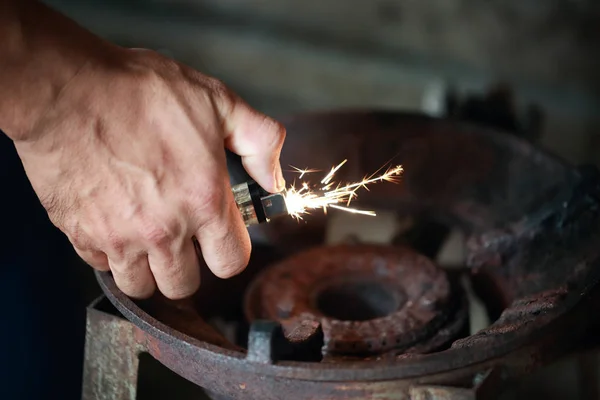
255 204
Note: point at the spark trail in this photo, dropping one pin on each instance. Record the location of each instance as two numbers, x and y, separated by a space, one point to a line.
331 194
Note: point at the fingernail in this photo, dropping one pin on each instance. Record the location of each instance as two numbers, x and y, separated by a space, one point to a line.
279 181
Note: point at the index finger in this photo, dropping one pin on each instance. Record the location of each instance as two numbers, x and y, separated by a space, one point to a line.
224 240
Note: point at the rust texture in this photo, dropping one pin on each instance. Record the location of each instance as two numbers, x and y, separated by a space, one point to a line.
183 316
111 354
534 236
368 299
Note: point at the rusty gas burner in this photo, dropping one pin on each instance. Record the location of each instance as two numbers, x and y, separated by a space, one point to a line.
368 300
357 321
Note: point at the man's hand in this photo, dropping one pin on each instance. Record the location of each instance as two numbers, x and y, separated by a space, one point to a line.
129 161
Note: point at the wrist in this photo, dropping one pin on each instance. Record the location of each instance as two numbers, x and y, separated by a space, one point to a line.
41 52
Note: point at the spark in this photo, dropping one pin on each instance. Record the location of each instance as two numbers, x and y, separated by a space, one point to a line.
330 175
331 194
303 172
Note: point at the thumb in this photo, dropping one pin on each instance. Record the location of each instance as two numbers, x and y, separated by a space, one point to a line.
257 139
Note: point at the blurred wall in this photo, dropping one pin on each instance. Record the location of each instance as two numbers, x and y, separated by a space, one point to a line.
291 55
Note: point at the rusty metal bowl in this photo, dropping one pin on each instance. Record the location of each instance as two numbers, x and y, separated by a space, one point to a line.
521 207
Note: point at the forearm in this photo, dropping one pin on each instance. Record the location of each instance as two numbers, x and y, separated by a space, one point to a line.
40 52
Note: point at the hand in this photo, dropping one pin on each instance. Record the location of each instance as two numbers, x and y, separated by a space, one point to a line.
130 164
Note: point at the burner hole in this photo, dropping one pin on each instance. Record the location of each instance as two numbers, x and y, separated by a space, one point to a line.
358 301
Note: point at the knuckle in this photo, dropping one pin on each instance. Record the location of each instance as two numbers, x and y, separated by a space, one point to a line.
151 73
76 234
208 203
115 242
167 63
97 261
159 234
79 239
216 87
155 235
221 96
139 70
103 233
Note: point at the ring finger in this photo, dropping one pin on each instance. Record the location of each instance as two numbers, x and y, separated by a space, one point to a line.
133 276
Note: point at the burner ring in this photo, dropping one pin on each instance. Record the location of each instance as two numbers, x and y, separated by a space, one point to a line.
368 299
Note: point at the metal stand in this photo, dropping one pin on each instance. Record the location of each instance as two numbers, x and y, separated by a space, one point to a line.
112 352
